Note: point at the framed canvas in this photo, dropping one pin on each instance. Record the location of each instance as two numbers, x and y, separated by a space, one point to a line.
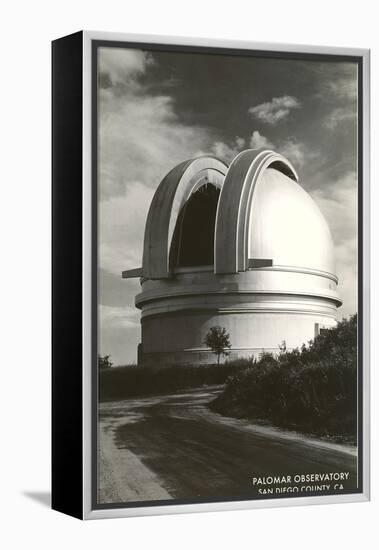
210 275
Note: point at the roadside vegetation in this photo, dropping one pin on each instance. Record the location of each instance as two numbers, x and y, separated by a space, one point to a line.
119 383
312 390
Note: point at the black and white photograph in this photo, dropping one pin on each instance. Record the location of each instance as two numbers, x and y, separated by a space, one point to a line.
228 186
189 276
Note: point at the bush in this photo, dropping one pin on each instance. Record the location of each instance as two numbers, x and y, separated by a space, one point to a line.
312 389
104 362
131 381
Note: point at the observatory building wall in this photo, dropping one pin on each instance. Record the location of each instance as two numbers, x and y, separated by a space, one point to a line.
256 307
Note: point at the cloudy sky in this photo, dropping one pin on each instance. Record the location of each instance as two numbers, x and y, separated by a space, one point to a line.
157 109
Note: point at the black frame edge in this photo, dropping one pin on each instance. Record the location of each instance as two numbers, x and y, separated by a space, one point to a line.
67 365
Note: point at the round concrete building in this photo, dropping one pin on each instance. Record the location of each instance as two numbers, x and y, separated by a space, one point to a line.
243 247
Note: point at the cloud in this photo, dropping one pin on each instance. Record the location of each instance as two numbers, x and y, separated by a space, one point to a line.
344 87
226 151
111 317
257 141
275 110
295 151
339 115
140 136
140 140
339 93
122 224
338 202
121 65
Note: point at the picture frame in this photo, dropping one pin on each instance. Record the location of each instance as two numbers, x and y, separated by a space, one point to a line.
91 161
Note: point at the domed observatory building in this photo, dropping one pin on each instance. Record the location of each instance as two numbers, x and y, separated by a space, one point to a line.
245 248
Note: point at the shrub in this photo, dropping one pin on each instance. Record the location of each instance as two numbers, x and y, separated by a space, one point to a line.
132 381
104 362
312 389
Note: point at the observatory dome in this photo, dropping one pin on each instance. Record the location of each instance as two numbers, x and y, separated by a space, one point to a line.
243 247
287 225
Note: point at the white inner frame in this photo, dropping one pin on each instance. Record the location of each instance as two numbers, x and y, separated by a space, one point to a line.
88 512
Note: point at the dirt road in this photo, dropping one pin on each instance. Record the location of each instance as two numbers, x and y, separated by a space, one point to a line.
172 446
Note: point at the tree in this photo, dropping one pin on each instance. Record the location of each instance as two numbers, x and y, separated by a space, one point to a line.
282 347
104 362
218 340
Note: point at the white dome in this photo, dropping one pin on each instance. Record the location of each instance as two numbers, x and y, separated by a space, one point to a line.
287 226
245 248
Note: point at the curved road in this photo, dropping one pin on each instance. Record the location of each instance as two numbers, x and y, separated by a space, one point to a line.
172 446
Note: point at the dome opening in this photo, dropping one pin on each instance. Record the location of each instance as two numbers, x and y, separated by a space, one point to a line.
193 240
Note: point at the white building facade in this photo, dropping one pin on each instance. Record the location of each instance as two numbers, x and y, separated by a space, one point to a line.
243 247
